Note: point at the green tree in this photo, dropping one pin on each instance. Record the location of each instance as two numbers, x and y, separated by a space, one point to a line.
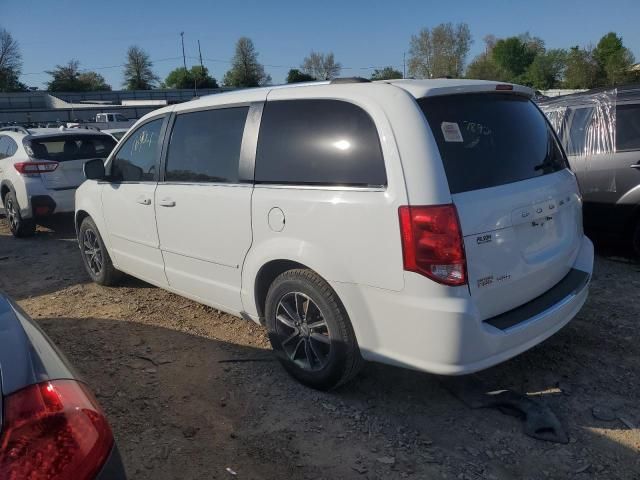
245 69
138 73
197 77
483 66
296 76
93 81
68 78
386 73
321 66
439 52
581 68
202 77
613 58
547 69
10 63
515 54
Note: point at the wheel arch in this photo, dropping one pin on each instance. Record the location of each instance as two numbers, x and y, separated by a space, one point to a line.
80 215
5 187
265 277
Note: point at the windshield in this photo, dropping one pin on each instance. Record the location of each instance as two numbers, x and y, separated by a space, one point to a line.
68 147
486 140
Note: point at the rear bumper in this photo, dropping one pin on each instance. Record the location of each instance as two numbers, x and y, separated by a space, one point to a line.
441 331
56 201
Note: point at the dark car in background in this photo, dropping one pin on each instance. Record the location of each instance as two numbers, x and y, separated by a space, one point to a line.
600 131
51 426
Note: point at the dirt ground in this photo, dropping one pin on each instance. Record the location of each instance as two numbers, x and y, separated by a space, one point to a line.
191 392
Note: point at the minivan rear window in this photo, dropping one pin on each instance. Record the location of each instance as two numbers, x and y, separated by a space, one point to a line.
486 140
68 147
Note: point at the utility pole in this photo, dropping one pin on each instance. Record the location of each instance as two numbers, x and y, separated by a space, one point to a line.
404 64
184 59
200 53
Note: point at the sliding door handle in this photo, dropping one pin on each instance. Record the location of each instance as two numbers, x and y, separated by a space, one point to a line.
167 202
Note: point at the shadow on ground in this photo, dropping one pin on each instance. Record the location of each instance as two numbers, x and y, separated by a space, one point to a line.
184 406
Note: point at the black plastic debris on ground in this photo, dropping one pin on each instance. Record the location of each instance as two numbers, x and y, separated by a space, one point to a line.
539 420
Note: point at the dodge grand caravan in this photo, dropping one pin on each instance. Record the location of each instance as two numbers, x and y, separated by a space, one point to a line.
429 224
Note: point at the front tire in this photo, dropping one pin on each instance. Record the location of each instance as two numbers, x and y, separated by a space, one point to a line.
310 331
20 227
95 257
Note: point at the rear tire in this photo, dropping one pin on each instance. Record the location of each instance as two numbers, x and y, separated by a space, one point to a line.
20 227
310 331
95 257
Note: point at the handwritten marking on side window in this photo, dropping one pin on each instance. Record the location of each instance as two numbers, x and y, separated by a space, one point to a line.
144 140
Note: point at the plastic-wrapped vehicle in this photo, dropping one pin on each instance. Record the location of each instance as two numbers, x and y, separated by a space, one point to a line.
600 132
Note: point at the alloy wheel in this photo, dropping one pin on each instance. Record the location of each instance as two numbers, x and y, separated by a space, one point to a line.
92 251
12 215
305 335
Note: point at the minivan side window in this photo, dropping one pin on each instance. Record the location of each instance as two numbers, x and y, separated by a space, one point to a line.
318 142
627 127
136 160
205 146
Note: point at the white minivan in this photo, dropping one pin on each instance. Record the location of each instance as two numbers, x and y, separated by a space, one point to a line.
431 224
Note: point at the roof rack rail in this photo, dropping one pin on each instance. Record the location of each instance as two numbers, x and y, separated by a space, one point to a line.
15 128
82 127
349 80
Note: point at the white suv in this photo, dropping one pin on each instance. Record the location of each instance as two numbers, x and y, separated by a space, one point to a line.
40 170
429 224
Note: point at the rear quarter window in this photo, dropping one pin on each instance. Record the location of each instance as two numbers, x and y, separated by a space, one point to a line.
487 140
8 147
318 142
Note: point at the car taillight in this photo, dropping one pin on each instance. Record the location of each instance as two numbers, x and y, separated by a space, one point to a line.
53 430
34 168
432 243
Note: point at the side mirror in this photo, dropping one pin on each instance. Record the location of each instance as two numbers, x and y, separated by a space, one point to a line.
94 169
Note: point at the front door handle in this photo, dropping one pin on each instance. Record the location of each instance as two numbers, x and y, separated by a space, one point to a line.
143 200
635 165
167 202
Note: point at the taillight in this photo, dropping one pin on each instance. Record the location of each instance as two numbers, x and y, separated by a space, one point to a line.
34 168
432 243
53 430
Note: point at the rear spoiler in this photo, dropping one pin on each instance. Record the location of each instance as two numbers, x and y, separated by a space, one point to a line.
497 87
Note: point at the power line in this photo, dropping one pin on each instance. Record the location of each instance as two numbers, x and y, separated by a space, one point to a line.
212 60
90 69
371 67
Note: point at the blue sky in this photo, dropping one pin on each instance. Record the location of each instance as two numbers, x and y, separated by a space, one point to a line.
360 33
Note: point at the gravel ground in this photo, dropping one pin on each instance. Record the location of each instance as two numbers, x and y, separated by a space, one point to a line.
193 393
